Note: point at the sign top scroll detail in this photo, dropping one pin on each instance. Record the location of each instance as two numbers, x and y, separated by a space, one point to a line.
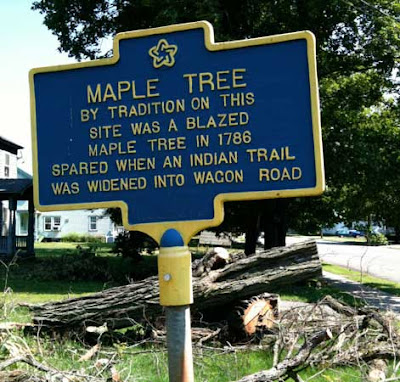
173 125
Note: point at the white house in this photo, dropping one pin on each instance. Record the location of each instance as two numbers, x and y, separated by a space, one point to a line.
56 224
17 212
8 159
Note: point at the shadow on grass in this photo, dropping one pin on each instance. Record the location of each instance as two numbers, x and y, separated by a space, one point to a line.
53 252
55 287
386 286
312 292
391 289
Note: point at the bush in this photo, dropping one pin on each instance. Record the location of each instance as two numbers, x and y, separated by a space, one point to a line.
94 239
81 264
85 262
131 243
84 266
378 239
80 238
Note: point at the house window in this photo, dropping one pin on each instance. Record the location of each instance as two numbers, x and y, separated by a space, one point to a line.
7 166
92 223
52 223
23 227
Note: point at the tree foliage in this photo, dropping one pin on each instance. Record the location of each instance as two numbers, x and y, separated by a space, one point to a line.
130 244
358 45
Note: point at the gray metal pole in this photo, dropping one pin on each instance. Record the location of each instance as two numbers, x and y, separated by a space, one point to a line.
179 342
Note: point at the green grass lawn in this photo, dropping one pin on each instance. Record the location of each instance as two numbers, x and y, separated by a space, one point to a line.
49 249
374 282
220 366
36 291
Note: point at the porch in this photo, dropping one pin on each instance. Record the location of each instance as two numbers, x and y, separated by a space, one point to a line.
21 243
12 191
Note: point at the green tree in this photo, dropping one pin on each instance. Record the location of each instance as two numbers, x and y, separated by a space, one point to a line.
357 56
377 156
390 195
130 244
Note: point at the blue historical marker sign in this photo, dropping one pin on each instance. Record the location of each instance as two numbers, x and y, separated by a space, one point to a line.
174 125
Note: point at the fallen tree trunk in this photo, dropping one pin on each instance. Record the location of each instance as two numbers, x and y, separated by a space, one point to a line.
241 279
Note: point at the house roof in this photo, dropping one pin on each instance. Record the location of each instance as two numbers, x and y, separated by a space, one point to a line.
9 146
21 174
14 187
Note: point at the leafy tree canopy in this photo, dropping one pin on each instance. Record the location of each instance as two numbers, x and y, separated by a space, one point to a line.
358 45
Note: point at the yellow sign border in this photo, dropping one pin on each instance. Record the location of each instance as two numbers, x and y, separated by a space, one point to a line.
191 227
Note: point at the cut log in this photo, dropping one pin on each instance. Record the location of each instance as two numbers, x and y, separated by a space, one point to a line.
215 258
199 335
254 317
238 280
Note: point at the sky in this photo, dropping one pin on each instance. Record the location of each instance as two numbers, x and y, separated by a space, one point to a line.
25 43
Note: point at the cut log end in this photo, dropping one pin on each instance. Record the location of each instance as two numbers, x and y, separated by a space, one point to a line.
256 316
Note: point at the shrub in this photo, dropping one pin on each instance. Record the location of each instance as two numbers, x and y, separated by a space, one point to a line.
94 239
81 238
71 238
84 266
131 243
378 239
81 264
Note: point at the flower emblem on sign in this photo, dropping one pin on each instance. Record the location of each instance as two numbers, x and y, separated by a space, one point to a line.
163 54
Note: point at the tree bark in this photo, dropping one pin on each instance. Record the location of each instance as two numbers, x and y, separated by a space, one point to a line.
252 233
269 216
274 222
126 305
397 234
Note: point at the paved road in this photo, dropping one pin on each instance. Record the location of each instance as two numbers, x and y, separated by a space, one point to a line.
381 261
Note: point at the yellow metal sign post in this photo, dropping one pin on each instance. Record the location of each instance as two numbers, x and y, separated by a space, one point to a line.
175 279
